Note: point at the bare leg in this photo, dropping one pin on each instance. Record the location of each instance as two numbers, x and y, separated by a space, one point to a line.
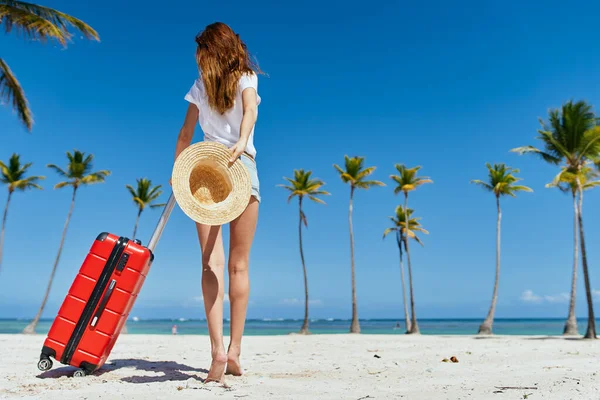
213 265
242 234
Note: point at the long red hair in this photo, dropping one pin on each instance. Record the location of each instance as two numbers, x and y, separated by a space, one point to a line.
222 57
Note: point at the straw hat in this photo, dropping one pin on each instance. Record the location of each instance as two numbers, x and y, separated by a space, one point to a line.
206 187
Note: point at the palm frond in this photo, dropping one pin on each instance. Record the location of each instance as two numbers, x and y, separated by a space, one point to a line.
155 192
158 205
32 26
42 23
57 169
291 189
368 184
339 169
482 184
131 190
591 185
63 184
139 202
590 146
12 93
557 149
566 179
407 179
302 185
303 218
4 169
388 231
549 158
501 180
28 183
95 177
316 199
365 172
521 188
416 238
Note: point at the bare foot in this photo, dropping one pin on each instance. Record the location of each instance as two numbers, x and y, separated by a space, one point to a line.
233 363
217 368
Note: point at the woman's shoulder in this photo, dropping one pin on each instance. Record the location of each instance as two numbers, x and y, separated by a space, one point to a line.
248 79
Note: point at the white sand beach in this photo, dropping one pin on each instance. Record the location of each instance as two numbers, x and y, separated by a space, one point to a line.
318 367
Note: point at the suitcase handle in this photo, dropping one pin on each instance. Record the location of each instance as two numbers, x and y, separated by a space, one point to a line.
160 226
102 306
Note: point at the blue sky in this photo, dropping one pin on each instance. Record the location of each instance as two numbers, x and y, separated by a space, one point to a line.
447 87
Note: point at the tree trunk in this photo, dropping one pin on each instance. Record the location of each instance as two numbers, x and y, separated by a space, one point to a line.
30 329
406 317
591 328
414 327
486 327
304 329
354 326
137 221
571 324
4 225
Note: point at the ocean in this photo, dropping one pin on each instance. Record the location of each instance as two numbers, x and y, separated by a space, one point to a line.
546 327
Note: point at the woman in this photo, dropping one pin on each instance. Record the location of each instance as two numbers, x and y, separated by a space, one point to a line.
224 100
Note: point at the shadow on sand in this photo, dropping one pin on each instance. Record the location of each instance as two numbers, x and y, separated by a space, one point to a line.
575 338
63 371
554 337
166 371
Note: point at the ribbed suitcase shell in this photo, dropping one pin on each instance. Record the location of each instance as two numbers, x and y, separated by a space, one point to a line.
98 303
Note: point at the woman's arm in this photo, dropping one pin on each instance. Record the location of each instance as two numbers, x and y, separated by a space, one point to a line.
186 133
249 104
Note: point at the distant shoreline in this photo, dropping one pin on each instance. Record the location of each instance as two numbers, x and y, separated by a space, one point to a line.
278 327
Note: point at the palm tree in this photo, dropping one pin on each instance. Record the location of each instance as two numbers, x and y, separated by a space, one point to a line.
78 174
572 137
407 181
37 23
355 174
302 185
566 182
13 175
501 182
399 226
143 196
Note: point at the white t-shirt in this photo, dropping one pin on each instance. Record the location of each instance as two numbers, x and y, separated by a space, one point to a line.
224 128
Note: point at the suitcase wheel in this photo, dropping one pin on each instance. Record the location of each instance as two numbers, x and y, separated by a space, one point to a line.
44 364
80 373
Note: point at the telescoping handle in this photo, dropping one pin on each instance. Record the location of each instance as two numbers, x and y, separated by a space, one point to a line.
161 223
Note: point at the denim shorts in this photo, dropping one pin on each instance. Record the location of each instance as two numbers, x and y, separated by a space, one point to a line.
250 165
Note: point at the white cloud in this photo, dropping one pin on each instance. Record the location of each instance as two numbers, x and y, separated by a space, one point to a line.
200 299
529 297
559 298
596 294
295 302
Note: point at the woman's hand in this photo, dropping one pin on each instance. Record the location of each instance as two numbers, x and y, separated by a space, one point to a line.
238 149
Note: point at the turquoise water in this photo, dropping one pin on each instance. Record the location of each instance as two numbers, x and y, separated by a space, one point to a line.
329 326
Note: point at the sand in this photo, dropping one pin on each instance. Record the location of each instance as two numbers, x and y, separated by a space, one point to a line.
318 367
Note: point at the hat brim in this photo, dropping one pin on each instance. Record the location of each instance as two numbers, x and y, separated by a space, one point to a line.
228 186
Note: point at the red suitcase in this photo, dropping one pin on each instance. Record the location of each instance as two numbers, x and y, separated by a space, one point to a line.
99 301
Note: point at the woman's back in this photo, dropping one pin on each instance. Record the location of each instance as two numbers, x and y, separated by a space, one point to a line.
223 128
